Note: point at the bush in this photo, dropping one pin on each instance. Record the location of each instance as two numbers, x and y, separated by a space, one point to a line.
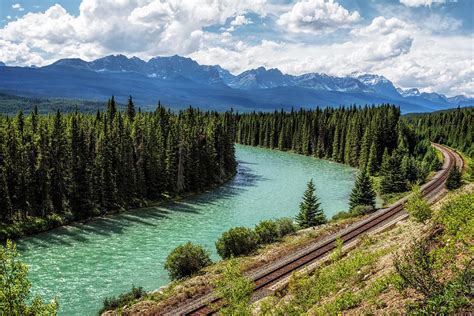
112 303
416 268
185 260
15 294
417 207
341 215
236 242
454 180
285 226
362 210
235 289
267 232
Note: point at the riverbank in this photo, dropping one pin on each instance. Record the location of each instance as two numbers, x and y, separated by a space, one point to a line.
357 280
34 225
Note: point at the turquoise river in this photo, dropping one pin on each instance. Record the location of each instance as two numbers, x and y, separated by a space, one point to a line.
82 264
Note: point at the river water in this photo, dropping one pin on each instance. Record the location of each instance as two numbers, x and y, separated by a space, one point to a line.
84 263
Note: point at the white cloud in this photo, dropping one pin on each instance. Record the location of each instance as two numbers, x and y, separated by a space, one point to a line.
381 26
240 20
17 6
9 17
403 49
419 3
137 27
309 16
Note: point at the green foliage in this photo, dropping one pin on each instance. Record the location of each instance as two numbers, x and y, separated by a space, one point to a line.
307 290
454 296
237 241
112 303
15 287
267 232
393 179
185 260
416 268
235 290
85 165
285 226
454 180
310 213
243 241
363 192
454 128
417 206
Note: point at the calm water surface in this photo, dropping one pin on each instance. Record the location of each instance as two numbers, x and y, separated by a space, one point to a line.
82 264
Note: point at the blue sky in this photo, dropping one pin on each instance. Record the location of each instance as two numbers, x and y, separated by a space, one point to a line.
428 44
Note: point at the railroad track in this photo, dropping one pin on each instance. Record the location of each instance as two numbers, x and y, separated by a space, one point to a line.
272 273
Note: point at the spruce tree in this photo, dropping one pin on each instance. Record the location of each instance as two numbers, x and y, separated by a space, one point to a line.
310 213
363 192
130 109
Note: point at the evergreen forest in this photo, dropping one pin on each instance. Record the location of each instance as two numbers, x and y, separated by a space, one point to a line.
374 139
80 165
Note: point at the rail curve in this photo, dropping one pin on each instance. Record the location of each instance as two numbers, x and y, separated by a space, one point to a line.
273 272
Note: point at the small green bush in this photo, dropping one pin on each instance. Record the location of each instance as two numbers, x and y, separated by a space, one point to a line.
235 289
416 269
417 206
341 215
112 303
361 210
237 241
454 180
185 260
267 232
285 226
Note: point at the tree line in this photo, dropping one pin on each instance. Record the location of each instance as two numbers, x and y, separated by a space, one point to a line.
454 128
373 139
81 165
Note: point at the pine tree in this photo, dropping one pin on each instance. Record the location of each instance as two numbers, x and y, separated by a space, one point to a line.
363 192
310 213
130 109
393 179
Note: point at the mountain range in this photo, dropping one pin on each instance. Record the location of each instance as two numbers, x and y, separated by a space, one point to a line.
179 82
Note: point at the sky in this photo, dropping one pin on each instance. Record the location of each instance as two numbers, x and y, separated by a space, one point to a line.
425 44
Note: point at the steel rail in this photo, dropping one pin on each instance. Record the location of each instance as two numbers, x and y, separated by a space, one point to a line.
272 273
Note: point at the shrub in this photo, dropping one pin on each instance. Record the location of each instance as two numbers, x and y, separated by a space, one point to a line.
341 215
15 296
362 210
285 226
112 303
417 207
235 289
185 260
416 268
236 242
267 232
454 180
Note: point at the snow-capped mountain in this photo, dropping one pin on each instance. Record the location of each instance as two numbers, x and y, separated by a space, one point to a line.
179 82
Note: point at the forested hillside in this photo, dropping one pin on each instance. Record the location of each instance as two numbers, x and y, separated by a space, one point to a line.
373 139
79 165
454 128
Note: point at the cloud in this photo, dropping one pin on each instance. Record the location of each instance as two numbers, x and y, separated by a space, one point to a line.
419 3
18 7
240 20
381 26
309 16
402 48
137 27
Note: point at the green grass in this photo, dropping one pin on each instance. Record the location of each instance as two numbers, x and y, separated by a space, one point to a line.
306 290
